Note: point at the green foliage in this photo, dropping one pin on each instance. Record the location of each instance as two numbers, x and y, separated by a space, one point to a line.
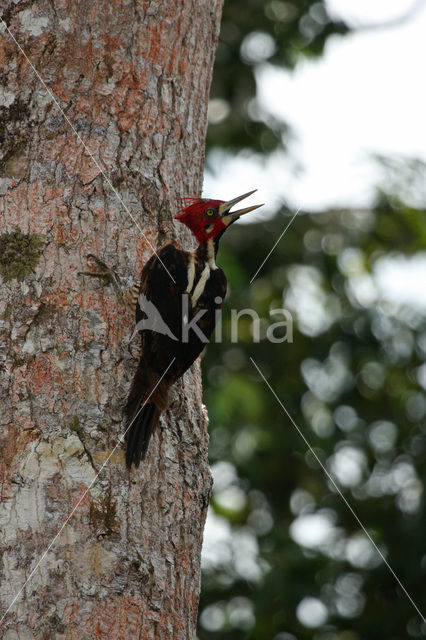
351 381
19 254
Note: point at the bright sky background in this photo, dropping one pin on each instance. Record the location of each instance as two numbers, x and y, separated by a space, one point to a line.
366 95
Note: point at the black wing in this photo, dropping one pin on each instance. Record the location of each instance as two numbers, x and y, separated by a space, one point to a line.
168 346
162 306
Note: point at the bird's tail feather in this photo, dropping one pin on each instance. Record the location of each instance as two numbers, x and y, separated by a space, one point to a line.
139 433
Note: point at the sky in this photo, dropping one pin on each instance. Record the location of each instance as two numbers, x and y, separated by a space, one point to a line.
365 96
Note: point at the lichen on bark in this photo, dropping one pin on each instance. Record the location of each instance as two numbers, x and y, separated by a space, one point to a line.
19 254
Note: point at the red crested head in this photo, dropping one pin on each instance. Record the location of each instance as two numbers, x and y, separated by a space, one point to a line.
202 217
207 219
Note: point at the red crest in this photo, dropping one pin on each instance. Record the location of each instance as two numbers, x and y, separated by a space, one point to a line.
196 214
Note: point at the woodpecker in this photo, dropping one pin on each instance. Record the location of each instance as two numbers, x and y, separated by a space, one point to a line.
177 303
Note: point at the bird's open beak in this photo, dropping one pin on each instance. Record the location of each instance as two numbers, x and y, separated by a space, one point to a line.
228 217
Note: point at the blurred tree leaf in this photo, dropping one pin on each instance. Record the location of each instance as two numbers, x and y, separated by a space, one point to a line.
351 382
290 561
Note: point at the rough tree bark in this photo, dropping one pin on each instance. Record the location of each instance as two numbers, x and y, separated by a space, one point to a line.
133 78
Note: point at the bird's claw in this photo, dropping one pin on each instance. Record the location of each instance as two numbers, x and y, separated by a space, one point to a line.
99 262
104 272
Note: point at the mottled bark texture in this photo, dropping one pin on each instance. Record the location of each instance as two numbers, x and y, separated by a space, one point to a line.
133 77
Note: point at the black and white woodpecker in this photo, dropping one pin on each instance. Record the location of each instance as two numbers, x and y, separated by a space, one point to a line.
177 303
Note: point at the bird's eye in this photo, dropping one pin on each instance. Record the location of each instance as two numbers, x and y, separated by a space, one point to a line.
210 213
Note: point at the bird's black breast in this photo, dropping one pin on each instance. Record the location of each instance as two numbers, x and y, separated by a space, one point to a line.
166 302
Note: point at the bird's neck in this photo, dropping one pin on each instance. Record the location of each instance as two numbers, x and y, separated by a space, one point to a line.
207 251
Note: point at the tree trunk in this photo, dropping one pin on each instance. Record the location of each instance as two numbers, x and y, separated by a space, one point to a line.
114 555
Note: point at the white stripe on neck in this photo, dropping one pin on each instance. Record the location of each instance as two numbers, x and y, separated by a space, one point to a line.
199 289
210 254
191 272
